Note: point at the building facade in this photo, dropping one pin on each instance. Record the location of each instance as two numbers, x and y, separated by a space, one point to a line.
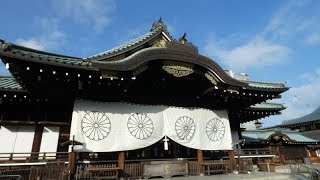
153 97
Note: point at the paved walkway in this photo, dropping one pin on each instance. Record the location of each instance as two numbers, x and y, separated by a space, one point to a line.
282 173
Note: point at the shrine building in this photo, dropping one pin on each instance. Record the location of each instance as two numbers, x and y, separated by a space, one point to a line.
152 98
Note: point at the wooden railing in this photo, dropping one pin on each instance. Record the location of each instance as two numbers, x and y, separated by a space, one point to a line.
258 151
56 171
14 173
83 173
193 167
33 156
134 170
195 170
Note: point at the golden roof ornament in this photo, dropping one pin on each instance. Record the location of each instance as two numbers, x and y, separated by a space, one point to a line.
158 24
183 44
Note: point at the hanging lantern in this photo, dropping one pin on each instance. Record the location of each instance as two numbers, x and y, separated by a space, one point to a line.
258 124
166 146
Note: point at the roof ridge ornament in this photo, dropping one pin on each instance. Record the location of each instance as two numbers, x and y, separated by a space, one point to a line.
183 44
159 24
4 45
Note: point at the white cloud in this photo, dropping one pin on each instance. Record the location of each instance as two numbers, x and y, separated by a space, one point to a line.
288 19
256 53
313 39
49 38
298 20
31 43
93 13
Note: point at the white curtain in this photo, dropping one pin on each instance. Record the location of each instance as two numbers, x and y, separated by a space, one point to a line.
108 127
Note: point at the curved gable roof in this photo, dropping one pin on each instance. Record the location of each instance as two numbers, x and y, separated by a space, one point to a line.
314 116
265 135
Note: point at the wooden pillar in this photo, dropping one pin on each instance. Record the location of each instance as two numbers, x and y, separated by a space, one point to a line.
36 142
313 153
278 151
121 159
281 157
72 163
307 152
232 160
200 161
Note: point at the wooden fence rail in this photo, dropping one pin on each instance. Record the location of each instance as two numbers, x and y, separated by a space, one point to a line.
134 170
34 156
82 172
56 172
23 174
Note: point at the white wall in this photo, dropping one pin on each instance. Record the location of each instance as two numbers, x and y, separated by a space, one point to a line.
49 141
16 139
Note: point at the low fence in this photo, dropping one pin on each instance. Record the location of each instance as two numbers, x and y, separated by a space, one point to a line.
134 170
193 167
305 171
33 156
21 174
56 172
82 172
257 151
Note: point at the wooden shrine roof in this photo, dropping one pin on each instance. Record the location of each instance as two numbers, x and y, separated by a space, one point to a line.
264 136
267 106
132 55
9 84
309 118
158 28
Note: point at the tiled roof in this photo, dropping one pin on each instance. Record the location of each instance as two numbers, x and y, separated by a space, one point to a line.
125 45
158 28
313 134
256 84
314 116
13 50
266 85
267 105
9 84
261 135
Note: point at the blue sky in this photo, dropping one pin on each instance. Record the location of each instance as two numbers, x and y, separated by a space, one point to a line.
277 41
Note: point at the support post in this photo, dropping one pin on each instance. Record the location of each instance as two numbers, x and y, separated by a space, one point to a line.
121 159
232 160
281 157
200 161
307 152
36 142
72 163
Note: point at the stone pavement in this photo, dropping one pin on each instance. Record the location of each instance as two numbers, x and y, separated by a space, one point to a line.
282 173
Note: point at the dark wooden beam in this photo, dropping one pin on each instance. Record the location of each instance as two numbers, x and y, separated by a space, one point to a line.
232 160
50 123
200 161
37 141
24 123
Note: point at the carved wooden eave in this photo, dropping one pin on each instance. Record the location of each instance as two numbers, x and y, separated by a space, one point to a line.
172 52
